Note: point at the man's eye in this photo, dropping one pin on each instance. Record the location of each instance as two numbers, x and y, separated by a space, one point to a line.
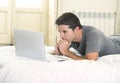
64 31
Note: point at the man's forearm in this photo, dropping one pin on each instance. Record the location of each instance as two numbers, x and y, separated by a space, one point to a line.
74 56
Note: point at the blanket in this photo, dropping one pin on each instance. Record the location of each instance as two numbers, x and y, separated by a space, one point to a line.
22 70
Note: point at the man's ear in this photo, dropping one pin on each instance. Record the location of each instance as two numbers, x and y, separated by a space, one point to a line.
77 28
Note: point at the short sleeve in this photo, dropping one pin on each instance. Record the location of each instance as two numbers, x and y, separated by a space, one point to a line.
93 41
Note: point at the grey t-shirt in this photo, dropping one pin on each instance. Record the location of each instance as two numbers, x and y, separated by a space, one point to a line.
93 40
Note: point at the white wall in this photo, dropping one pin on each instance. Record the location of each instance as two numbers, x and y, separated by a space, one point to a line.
117 26
95 5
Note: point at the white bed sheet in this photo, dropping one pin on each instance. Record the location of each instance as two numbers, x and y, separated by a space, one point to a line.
18 70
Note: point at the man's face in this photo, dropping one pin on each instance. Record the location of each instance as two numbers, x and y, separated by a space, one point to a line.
66 33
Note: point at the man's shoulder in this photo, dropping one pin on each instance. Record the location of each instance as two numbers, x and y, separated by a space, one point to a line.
89 29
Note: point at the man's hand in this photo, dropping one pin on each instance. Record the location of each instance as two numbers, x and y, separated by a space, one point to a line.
57 50
63 46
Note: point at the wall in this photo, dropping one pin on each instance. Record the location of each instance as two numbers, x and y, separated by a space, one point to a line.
117 26
98 5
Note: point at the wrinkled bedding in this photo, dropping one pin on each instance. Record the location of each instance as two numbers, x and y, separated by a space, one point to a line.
22 70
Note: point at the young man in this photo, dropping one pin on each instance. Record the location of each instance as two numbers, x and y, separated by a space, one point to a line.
90 42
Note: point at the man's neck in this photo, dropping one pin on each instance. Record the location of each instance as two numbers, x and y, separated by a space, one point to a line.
79 35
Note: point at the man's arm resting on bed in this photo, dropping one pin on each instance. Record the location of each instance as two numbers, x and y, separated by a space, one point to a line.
63 48
89 56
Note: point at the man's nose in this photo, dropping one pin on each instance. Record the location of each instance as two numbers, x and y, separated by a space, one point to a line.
61 35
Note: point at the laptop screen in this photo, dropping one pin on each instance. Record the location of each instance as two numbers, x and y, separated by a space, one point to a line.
29 44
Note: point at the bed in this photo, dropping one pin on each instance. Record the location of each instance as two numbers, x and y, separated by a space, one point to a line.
15 69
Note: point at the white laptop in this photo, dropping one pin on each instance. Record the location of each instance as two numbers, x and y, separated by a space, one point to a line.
29 44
